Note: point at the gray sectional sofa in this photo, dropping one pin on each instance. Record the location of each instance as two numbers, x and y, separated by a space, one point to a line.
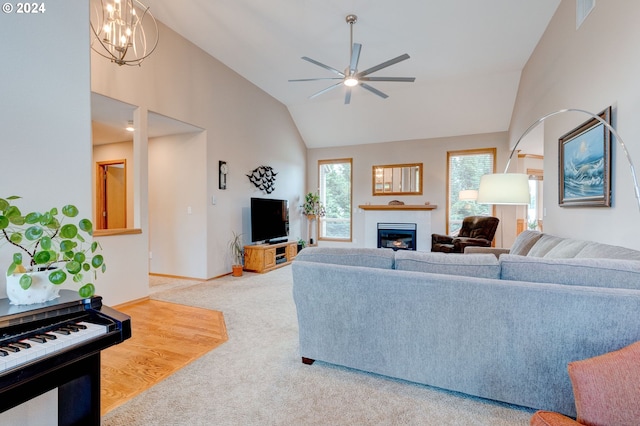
499 328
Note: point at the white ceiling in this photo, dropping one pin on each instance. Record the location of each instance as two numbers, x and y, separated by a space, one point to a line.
466 55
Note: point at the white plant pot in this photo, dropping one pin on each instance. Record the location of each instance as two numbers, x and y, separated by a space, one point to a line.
41 290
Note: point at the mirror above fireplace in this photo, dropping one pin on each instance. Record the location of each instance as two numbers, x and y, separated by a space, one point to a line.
397 179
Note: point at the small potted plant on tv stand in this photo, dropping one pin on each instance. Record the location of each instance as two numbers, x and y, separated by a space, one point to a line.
237 254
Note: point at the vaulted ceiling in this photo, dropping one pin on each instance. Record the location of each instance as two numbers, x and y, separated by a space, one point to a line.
466 55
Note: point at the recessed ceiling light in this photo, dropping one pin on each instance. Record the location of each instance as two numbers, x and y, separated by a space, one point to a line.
130 127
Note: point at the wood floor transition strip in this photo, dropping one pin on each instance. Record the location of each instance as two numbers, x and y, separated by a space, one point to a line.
165 337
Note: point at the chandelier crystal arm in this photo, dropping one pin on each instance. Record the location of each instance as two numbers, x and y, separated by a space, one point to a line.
597 117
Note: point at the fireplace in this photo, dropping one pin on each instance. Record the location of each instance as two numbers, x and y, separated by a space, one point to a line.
397 236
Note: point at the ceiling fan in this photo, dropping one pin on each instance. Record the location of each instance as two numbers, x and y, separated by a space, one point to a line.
351 77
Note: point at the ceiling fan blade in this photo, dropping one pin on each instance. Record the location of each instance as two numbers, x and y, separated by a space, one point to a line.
383 65
347 97
355 57
401 79
316 79
374 90
320 64
325 90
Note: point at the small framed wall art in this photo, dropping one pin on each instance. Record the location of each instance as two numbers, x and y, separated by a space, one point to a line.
585 164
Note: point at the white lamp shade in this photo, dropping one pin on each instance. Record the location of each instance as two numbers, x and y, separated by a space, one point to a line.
468 195
504 188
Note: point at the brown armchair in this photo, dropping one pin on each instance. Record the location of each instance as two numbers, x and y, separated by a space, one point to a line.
475 231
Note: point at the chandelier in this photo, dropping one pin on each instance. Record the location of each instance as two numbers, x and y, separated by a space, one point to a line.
124 31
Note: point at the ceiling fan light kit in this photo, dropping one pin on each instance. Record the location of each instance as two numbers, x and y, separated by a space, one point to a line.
351 77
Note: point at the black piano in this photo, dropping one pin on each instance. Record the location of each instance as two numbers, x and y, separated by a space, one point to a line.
57 344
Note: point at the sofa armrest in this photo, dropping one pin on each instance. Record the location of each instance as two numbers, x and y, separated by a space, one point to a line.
461 242
441 239
491 250
548 418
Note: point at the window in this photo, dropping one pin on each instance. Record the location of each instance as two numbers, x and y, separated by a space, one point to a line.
334 177
464 169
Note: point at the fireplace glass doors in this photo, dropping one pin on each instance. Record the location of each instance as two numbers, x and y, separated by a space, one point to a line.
397 236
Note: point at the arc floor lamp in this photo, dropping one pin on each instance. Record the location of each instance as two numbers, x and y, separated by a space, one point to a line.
513 188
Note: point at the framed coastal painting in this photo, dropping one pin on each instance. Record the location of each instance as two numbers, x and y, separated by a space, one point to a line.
585 164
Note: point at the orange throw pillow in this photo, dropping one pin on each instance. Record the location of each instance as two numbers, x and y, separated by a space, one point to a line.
607 388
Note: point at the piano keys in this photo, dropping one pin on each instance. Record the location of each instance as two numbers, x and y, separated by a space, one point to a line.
57 344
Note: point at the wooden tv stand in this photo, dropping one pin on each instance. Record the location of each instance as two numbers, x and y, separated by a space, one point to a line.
267 257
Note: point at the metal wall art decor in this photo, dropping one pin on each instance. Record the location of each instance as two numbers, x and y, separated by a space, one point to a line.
264 178
585 164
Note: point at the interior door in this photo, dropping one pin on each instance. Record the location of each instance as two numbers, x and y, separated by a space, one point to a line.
112 196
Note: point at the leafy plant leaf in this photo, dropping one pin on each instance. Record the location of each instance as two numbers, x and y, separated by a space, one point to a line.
97 261
57 277
79 257
87 290
15 238
25 281
73 267
33 233
45 243
42 257
86 226
4 222
68 231
70 210
32 218
67 245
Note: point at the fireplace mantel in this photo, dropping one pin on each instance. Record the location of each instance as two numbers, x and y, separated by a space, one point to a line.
398 206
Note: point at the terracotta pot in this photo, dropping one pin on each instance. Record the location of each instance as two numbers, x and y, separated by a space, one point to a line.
236 270
41 290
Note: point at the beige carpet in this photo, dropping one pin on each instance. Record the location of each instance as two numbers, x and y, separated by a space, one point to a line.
256 378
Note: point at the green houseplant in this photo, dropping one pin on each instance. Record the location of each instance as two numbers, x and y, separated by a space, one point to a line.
312 205
46 246
237 254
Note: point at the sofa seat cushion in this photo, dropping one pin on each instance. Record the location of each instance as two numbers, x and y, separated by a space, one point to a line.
607 387
369 257
613 273
471 265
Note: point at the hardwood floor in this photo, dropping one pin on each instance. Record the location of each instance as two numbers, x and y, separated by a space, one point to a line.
165 337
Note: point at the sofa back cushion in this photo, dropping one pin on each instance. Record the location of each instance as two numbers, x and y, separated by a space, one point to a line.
524 241
613 273
544 244
370 257
607 251
470 265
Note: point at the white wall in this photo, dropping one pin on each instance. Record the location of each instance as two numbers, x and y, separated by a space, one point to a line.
590 68
112 152
45 129
178 205
244 126
432 153
45 120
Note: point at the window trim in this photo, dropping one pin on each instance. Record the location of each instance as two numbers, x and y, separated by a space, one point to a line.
475 151
318 224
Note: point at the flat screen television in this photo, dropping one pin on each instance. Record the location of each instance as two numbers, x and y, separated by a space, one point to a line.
269 220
